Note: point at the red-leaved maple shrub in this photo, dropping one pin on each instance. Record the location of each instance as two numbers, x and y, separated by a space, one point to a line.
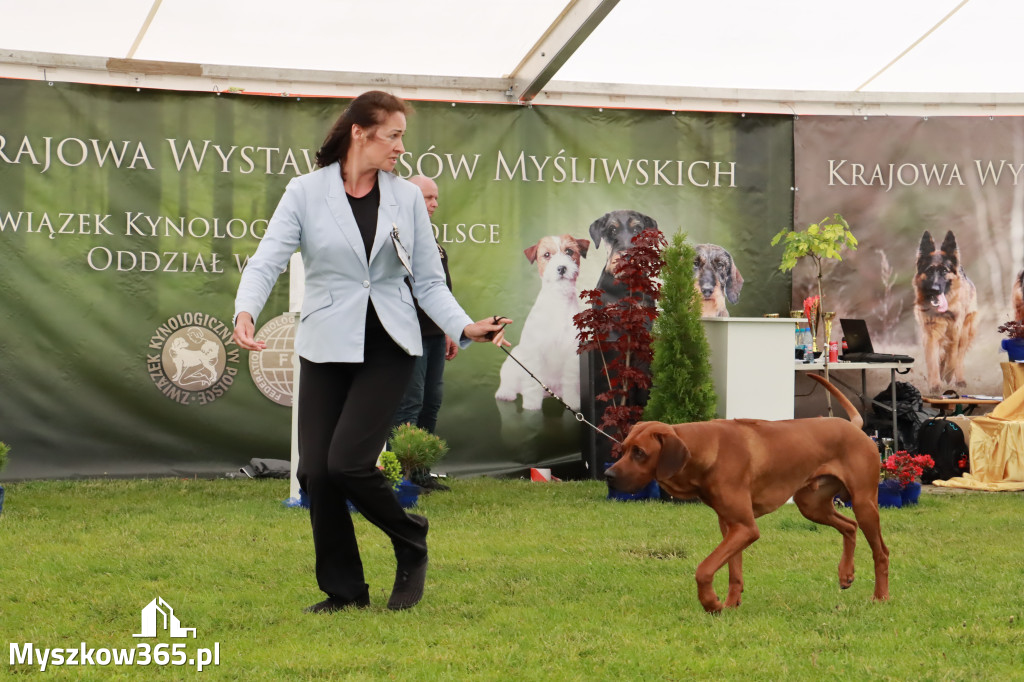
620 332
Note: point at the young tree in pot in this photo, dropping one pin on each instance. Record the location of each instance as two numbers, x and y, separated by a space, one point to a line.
619 333
417 449
682 389
825 239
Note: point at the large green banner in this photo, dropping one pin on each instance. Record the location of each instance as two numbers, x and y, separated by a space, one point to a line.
126 216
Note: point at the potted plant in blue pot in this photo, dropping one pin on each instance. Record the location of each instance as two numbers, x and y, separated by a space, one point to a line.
4 449
900 484
388 464
417 450
1013 344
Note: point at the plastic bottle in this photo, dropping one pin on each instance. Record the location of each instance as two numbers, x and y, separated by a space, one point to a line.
808 343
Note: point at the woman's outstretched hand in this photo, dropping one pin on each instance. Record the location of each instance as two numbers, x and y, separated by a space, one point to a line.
490 329
245 333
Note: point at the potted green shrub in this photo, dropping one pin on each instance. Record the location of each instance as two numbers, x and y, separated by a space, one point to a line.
391 468
416 450
4 449
681 386
823 240
388 464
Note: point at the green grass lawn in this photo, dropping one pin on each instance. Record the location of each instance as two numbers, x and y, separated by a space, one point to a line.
528 581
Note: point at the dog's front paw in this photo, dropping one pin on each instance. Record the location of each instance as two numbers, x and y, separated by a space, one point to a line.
505 394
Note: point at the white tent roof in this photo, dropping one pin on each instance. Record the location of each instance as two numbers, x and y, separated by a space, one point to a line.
786 56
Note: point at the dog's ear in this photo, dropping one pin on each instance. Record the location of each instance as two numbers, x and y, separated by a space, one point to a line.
583 246
673 457
732 289
924 251
950 249
531 253
927 244
597 228
649 222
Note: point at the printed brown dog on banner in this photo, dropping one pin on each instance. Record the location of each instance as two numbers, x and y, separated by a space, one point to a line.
946 310
716 278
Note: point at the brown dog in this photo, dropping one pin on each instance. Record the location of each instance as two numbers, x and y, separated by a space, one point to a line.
946 310
746 468
716 278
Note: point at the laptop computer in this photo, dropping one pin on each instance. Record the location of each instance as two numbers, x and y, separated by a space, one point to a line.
858 344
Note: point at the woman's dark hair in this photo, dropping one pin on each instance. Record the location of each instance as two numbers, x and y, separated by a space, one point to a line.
365 111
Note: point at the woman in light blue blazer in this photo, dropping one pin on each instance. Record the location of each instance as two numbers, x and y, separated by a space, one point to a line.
367 249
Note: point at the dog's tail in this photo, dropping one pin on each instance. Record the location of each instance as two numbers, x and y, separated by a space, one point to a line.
851 411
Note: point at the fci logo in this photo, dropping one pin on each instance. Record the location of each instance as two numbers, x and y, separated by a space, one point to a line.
158 614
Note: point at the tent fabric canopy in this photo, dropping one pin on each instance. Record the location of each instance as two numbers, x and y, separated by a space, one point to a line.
957 50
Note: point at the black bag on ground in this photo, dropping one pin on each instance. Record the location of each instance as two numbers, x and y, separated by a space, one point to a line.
944 441
909 414
267 468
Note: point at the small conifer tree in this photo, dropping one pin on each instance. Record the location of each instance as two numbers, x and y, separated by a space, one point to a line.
682 389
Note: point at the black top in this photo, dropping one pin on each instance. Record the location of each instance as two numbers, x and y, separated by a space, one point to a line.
364 210
427 326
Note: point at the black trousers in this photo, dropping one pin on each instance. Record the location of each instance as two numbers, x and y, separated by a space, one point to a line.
345 415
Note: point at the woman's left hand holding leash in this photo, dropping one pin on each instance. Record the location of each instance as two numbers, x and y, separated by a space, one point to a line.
490 329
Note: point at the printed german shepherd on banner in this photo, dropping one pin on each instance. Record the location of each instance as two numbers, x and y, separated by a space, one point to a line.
946 310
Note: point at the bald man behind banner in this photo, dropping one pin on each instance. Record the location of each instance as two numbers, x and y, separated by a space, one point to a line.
422 400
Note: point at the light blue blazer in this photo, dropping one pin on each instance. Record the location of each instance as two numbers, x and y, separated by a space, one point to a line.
314 216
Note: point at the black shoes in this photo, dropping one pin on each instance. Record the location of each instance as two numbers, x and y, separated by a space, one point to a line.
431 484
408 589
428 483
332 604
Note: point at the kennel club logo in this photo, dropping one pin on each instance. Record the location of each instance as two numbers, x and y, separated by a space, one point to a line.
192 359
273 369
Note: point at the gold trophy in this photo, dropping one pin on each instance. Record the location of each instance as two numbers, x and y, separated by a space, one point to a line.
815 320
829 316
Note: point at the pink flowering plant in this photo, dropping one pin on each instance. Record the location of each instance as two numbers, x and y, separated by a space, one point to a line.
905 468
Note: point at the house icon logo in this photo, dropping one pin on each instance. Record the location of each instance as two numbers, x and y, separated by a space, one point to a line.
158 614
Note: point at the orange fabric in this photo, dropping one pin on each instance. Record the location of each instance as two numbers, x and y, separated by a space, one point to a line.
996 445
1013 377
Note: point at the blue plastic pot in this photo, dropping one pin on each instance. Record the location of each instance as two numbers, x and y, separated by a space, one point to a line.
1 499
649 492
889 494
1015 349
408 493
910 493
300 502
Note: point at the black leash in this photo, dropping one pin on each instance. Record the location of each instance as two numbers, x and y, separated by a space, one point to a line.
578 414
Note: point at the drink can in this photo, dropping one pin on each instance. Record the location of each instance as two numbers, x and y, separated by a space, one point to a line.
833 351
